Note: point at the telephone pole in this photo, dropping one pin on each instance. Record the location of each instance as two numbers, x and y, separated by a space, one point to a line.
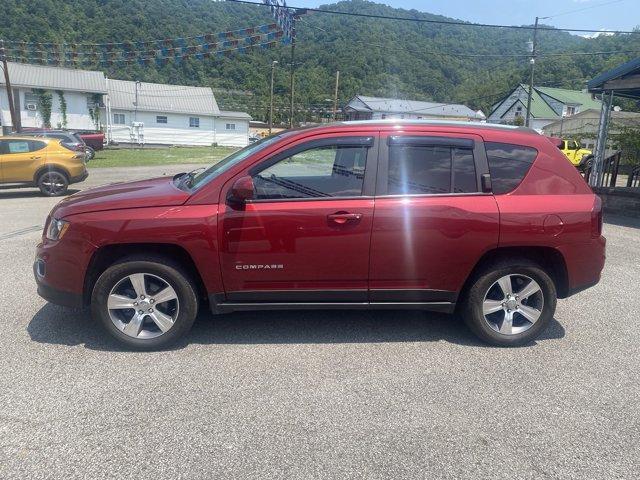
335 97
532 61
273 68
293 56
15 124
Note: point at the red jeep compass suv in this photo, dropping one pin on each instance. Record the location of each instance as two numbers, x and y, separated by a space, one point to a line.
489 221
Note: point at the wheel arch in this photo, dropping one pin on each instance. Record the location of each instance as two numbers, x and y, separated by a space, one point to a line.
549 259
107 255
48 168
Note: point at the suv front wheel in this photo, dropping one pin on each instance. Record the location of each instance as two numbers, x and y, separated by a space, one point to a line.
147 303
510 303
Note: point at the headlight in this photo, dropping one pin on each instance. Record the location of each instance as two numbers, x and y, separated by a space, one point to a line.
56 229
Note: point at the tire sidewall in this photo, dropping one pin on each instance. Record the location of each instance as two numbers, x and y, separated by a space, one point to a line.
179 281
475 317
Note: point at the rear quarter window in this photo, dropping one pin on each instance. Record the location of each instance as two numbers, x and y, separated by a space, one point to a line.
508 164
36 145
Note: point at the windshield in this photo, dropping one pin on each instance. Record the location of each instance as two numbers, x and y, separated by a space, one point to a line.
226 163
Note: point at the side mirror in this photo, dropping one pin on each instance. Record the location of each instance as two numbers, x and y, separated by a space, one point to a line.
241 191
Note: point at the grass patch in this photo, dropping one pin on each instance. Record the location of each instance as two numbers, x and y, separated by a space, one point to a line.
138 157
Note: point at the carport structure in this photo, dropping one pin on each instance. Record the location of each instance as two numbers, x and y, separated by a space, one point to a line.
622 81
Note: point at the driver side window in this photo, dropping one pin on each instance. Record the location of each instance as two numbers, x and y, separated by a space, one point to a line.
326 171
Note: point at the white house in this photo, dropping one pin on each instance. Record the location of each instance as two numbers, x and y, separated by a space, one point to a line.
153 113
75 96
361 107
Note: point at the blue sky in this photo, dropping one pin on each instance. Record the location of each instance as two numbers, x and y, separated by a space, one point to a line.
597 14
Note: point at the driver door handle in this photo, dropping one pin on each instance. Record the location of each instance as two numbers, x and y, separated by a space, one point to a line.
341 218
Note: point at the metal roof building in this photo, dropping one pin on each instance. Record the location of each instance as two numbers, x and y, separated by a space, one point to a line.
157 97
55 78
154 113
362 107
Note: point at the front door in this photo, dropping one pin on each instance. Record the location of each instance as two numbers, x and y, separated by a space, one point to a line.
432 222
20 159
305 237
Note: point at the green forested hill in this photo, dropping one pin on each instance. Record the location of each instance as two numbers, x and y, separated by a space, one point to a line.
375 57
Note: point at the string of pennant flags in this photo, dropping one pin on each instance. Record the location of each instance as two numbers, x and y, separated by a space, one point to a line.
147 52
284 17
159 52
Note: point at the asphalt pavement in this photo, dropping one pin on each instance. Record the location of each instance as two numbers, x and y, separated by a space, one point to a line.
316 394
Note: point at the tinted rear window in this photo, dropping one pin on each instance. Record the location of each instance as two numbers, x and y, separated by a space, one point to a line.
419 170
508 164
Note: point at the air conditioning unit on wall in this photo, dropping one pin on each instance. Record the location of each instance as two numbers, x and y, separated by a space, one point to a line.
32 107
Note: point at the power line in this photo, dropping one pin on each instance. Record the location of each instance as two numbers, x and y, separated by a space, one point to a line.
581 9
480 55
439 22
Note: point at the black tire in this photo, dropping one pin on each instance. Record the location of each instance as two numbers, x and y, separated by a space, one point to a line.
472 307
586 163
172 273
90 153
53 183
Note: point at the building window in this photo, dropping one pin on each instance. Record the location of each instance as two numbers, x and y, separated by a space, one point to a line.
383 116
570 111
518 111
194 122
118 119
161 119
231 126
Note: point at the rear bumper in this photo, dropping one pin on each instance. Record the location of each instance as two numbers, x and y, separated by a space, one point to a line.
79 178
585 262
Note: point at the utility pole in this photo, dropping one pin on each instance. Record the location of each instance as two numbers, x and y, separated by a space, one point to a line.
15 123
293 56
335 97
273 68
135 112
532 61
296 15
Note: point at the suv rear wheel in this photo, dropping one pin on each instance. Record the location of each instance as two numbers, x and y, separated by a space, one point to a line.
53 183
510 303
146 303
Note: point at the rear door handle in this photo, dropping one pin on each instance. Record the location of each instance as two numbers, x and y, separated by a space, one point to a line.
35 158
341 218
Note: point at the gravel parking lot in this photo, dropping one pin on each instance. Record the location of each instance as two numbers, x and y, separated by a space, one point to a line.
316 394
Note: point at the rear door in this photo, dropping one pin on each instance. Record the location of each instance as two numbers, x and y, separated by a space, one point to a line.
305 237
432 221
21 159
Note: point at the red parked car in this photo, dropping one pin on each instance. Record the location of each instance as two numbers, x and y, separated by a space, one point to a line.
486 220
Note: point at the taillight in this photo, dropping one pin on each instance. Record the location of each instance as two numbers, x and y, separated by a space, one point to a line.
596 217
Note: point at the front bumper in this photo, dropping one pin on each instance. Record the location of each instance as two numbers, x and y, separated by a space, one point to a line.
51 294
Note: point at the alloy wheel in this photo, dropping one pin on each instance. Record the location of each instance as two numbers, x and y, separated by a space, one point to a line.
513 304
53 183
143 305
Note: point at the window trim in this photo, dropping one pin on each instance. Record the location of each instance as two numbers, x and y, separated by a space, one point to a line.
452 140
370 170
124 119
166 119
198 122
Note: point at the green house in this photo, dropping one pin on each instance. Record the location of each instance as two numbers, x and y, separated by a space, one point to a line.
548 104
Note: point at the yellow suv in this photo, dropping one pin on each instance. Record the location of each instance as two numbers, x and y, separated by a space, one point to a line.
579 157
46 163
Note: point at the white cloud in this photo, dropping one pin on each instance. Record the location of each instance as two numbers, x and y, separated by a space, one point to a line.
598 33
